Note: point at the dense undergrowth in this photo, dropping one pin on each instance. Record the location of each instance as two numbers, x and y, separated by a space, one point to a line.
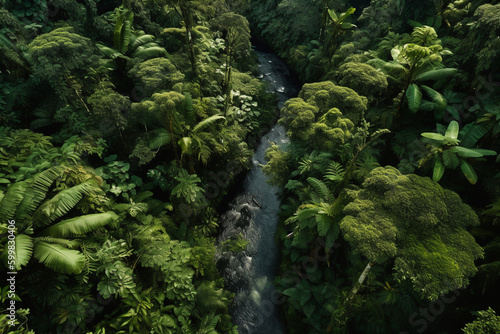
124 124
411 247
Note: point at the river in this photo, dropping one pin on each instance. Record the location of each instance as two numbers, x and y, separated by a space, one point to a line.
254 214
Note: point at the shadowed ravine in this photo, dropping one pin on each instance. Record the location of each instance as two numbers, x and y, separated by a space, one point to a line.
254 214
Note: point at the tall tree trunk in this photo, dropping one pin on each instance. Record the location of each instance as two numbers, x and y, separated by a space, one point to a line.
360 282
189 36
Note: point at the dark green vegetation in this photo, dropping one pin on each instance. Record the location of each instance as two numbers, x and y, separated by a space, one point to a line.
411 247
118 118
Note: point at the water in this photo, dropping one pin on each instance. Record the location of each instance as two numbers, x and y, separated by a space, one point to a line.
254 214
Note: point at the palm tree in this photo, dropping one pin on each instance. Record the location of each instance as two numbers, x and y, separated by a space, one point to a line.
194 142
39 231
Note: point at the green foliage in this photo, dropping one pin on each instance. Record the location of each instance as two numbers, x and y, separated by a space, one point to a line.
155 74
60 53
235 245
118 278
172 260
118 180
20 324
187 190
417 223
447 154
486 323
27 198
277 165
483 36
122 32
314 118
108 106
326 95
335 26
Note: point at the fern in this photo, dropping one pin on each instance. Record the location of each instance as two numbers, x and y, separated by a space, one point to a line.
209 299
335 172
207 122
320 188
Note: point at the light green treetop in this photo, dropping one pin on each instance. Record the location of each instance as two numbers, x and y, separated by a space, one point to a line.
326 95
60 51
156 74
417 223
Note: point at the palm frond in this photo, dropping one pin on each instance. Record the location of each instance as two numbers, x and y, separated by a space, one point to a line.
71 244
80 225
207 122
58 258
141 40
23 249
37 191
436 97
11 200
320 188
61 203
473 133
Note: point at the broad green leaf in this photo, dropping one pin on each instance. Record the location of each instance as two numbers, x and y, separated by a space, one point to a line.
435 75
58 258
452 131
466 152
452 110
11 200
438 170
350 11
332 14
468 171
23 249
414 96
141 40
433 136
158 138
80 225
347 25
